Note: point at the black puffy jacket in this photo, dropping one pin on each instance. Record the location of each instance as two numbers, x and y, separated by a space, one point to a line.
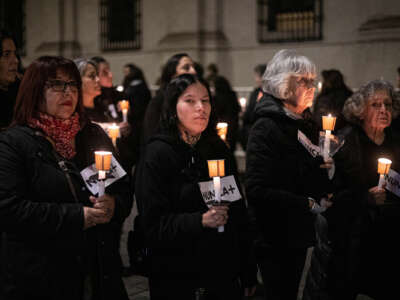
171 204
48 253
281 174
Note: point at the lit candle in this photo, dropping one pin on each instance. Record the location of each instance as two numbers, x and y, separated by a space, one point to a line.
383 169
113 133
103 164
328 124
319 86
216 170
243 102
124 104
222 129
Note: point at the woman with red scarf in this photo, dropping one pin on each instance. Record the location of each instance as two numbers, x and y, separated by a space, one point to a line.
59 236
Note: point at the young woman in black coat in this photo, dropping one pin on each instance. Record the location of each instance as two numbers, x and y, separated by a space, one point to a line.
187 253
59 237
284 180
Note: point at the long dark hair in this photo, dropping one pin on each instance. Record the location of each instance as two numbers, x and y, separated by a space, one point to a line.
135 73
31 91
169 69
169 119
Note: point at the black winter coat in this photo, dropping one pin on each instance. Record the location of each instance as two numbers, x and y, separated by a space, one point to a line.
171 204
48 254
281 174
364 235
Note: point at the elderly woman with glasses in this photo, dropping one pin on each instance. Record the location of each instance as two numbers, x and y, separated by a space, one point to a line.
59 232
284 180
365 218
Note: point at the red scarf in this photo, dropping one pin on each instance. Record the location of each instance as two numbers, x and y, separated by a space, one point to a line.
61 131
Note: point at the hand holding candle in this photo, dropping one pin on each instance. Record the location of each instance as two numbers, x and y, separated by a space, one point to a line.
383 169
124 104
216 170
103 164
113 133
328 124
222 129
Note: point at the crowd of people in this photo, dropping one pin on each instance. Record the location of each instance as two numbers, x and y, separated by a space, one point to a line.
206 233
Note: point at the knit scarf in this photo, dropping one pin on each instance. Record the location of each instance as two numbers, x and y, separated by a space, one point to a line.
61 131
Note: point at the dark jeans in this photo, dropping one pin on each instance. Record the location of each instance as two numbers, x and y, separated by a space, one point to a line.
172 289
281 271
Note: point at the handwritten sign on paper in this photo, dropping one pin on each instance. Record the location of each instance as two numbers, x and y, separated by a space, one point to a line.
393 182
311 148
229 190
90 175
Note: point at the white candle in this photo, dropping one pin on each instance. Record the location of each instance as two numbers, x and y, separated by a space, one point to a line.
217 189
125 115
113 132
124 104
327 145
222 129
243 102
381 180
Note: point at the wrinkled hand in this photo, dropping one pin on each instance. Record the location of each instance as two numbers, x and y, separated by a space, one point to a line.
250 291
106 203
377 196
323 205
93 216
125 128
216 216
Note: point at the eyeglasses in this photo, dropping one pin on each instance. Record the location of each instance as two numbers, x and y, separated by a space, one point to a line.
307 82
61 86
388 105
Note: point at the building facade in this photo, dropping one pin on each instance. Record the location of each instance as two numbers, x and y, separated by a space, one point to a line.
361 38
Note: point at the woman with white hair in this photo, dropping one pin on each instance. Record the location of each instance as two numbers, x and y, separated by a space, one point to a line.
284 180
365 218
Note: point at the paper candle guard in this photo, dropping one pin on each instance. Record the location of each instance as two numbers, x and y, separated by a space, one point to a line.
103 160
216 168
328 122
113 133
124 104
383 169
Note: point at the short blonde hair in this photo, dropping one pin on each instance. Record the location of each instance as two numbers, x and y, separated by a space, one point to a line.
354 106
284 65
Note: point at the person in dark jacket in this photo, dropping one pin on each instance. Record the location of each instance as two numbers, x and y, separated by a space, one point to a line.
107 101
364 218
59 236
333 94
248 115
175 200
139 95
284 180
9 81
176 65
227 108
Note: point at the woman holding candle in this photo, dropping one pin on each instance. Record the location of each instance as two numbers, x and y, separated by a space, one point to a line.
59 237
97 113
284 181
186 250
362 208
